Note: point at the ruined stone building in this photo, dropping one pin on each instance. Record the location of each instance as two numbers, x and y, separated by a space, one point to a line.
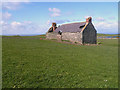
80 32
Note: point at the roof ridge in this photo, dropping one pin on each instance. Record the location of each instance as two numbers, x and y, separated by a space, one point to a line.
73 23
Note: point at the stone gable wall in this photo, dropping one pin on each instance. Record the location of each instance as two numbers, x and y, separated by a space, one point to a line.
89 34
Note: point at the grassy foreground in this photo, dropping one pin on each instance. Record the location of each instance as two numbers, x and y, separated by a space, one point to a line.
36 63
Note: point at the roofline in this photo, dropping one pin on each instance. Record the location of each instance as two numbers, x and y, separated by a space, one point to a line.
84 27
72 23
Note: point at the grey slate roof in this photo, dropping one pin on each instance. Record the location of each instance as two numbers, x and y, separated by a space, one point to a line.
71 27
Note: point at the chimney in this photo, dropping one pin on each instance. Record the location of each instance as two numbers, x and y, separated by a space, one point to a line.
54 26
89 19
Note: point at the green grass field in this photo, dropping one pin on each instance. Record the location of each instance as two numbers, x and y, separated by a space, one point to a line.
35 63
108 34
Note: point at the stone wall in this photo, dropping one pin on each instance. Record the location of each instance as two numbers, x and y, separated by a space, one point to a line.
89 34
73 37
53 36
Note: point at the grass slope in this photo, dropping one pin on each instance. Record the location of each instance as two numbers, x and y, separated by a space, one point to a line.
35 63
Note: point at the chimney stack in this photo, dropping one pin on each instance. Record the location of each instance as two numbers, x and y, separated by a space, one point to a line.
89 19
54 26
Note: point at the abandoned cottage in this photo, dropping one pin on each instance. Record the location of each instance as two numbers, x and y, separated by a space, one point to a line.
80 32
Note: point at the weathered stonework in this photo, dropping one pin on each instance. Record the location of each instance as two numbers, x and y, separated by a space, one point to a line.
53 35
73 37
89 34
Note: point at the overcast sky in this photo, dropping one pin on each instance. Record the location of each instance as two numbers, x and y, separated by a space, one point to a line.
28 18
